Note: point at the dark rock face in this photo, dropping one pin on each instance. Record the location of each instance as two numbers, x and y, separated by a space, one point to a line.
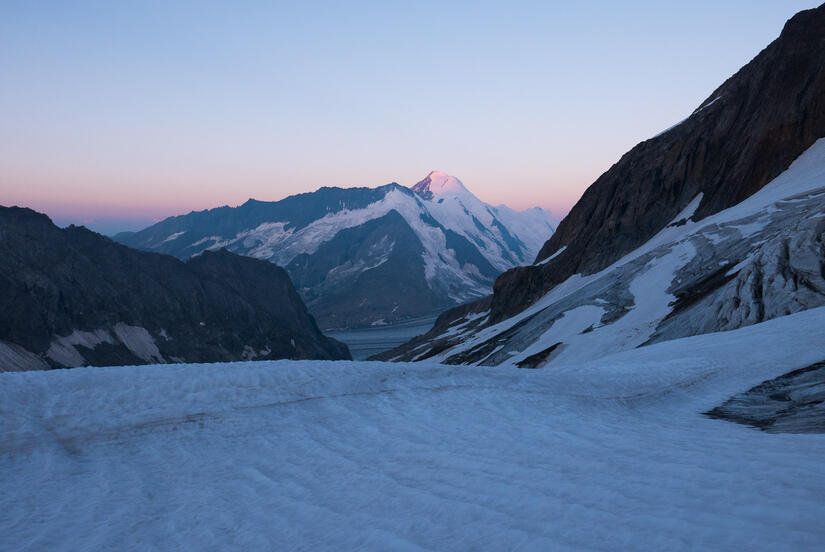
73 297
536 360
747 132
422 188
793 403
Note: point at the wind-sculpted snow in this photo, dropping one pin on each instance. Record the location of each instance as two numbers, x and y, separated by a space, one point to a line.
753 262
612 454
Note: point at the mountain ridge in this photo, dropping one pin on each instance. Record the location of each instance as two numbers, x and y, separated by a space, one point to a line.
459 242
73 297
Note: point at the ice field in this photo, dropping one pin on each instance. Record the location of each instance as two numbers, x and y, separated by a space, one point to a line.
607 455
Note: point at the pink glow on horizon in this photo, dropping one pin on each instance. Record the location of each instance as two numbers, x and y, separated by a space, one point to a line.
120 109
142 203
74 194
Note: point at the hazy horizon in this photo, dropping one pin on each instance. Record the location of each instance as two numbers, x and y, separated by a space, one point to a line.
128 222
121 115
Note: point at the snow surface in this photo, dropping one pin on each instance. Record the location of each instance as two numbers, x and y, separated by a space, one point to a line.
533 226
607 455
174 236
651 305
63 349
689 209
553 256
442 183
698 110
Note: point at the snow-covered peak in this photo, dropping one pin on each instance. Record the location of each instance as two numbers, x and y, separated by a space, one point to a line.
439 183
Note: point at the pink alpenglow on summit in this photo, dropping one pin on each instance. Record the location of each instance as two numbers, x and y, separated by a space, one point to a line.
438 183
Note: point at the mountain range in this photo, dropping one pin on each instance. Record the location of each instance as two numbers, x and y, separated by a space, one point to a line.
367 256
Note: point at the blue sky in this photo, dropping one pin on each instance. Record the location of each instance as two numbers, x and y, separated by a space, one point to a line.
118 113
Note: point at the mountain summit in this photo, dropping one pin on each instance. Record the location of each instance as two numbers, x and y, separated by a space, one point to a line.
438 183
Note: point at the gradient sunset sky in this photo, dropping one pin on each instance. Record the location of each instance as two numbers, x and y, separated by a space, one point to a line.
114 114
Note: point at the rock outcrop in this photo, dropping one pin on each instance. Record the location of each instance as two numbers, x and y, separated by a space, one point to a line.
793 403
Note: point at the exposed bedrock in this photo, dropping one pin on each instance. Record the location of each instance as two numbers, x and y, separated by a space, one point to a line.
793 403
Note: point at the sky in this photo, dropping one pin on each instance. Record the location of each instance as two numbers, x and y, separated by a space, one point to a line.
118 114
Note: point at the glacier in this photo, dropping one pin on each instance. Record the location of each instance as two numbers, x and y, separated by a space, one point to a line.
613 453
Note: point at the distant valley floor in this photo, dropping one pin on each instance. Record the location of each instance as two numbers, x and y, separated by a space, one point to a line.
365 342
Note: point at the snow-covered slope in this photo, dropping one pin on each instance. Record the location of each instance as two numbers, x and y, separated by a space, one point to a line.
506 237
611 454
461 243
752 262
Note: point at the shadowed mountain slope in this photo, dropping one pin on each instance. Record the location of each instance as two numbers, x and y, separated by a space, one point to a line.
72 297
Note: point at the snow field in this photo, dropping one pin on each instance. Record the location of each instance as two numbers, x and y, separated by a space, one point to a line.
606 455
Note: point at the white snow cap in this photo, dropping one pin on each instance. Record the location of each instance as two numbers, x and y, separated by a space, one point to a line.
438 183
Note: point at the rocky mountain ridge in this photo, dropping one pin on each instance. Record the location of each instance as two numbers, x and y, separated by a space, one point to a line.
72 297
